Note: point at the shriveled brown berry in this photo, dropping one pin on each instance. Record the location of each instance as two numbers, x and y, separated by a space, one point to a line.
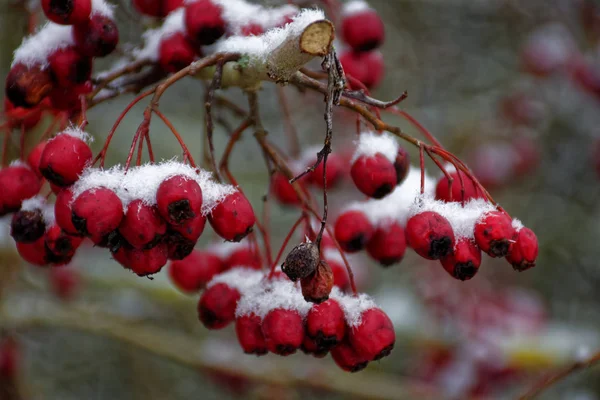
317 286
301 262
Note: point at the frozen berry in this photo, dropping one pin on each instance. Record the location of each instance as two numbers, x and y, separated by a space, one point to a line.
69 68
493 233
388 244
524 251
463 263
301 261
374 337
18 183
233 218
367 68
204 22
374 176
142 226
67 12
251 29
195 271
249 333
283 331
97 37
27 86
363 29
64 159
179 199
175 52
353 230
325 324
445 192
216 308
97 213
430 235
347 358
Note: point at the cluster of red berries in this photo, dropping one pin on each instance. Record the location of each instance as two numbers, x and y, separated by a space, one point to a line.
56 62
190 27
271 315
363 31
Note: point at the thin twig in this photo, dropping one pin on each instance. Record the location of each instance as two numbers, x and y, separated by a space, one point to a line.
210 95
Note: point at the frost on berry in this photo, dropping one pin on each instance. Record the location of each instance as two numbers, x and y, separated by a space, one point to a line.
353 230
430 235
493 233
317 286
18 183
301 261
233 218
362 27
248 329
464 261
97 37
388 244
65 157
194 271
67 12
28 225
524 251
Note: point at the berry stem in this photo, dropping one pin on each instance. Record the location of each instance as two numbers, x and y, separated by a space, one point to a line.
210 95
233 139
428 135
290 129
285 243
186 152
422 165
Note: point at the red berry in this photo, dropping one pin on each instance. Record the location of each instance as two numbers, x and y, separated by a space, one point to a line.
374 338
374 176
363 30
179 199
18 183
402 165
233 218
64 282
367 67
34 253
67 12
27 86
340 274
27 226
524 251
283 190
353 230
142 262
195 271
444 192
346 357
96 38
142 226
175 52
463 263
191 229
34 157
63 212
325 324
69 68
204 22
156 8
309 346
69 99
216 308
335 170
61 244
252 29
493 233
170 5
97 213
546 51
178 246
430 235
64 159
283 331
388 244
19 116
249 333
244 256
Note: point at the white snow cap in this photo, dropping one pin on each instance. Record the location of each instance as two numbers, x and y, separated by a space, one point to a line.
19 163
271 295
259 47
462 218
353 306
395 206
174 23
103 8
354 7
517 225
39 203
225 249
35 49
240 278
77 133
142 182
370 143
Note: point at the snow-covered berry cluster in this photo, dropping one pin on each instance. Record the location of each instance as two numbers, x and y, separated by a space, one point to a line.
56 61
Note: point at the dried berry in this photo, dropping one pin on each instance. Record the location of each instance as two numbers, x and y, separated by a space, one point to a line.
302 261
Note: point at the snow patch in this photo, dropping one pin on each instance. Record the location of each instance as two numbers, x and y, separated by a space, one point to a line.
271 295
35 49
517 225
354 7
240 278
103 8
77 133
354 306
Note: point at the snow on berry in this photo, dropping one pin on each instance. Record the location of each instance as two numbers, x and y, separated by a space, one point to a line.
97 213
370 143
374 337
36 49
362 27
32 220
494 232
67 12
353 306
153 38
463 263
280 294
65 157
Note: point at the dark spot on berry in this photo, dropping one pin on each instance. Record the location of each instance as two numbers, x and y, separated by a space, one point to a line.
384 353
325 342
208 317
63 245
440 247
239 237
357 243
178 247
499 248
285 349
151 244
523 266
53 177
388 262
383 191
61 8
369 45
79 223
258 351
359 366
27 226
80 72
180 211
464 271
209 35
